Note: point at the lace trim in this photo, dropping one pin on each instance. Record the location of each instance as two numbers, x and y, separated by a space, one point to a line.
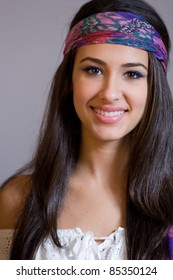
79 245
76 245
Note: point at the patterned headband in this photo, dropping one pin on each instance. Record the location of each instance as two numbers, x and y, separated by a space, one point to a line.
122 28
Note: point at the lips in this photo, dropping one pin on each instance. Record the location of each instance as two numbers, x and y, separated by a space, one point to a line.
109 114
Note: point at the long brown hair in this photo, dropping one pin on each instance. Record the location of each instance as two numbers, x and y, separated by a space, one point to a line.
150 187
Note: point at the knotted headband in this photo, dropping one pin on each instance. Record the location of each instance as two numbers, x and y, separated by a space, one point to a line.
122 28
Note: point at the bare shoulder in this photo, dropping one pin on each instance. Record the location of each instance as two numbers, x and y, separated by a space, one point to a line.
12 198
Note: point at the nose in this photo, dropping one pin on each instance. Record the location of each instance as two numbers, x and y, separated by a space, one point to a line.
111 89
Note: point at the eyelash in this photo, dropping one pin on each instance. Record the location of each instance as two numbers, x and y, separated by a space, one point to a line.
95 71
134 75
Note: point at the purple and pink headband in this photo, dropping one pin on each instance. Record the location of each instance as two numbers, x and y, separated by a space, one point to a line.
122 28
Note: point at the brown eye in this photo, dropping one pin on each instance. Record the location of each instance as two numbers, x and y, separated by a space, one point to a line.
93 70
134 75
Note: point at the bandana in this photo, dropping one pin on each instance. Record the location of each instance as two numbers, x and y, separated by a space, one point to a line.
122 28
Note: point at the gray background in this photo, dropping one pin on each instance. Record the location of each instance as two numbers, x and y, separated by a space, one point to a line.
32 33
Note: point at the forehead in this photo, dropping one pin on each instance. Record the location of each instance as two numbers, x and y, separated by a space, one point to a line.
113 53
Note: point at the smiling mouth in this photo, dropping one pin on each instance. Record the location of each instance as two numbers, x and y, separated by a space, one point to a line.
110 113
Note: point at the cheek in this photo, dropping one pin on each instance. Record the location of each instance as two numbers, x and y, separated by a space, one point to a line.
78 86
78 94
139 99
82 92
82 84
79 98
143 100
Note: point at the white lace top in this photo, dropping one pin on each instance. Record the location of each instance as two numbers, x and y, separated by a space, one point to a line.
77 246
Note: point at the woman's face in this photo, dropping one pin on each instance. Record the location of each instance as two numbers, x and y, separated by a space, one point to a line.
109 89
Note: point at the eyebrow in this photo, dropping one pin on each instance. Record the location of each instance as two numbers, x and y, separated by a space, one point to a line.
133 64
101 62
93 59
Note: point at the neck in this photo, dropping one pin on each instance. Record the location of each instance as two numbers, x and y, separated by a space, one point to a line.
100 179
105 162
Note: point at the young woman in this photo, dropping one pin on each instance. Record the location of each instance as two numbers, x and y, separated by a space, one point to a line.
101 180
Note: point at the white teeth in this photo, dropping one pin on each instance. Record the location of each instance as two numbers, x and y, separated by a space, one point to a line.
108 114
